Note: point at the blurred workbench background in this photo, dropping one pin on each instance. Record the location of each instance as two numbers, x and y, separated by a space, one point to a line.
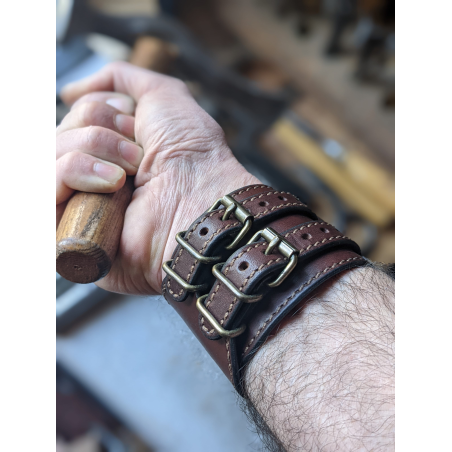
304 90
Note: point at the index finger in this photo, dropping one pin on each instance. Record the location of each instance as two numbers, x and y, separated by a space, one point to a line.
123 78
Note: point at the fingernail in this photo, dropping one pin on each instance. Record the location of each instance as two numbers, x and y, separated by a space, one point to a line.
110 173
122 104
125 125
131 152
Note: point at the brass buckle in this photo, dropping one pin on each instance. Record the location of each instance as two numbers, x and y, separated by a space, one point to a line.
243 215
216 270
188 287
193 252
284 247
213 321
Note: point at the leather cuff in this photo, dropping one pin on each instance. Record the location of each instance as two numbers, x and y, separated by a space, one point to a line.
209 239
233 299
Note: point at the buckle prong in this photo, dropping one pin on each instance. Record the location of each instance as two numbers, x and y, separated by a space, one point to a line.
228 211
272 245
242 214
284 247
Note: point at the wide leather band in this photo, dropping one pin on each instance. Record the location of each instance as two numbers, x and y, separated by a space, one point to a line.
249 269
210 235
252 289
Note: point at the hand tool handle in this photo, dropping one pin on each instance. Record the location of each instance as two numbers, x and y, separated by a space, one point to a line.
89 233
90 229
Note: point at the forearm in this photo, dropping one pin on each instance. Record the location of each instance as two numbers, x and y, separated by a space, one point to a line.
325 381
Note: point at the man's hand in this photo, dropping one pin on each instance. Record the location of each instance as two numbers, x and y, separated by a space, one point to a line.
180 160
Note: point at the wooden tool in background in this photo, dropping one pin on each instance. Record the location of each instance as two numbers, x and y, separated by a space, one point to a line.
88 235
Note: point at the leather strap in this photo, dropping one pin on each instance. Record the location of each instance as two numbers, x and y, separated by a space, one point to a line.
249 269
210 234
322 252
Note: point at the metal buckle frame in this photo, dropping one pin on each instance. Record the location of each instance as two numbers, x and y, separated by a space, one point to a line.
188 287
213 321
193 252
284 247
216 270
232 206
243 215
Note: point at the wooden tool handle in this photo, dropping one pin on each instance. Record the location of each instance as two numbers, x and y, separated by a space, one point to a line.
89 232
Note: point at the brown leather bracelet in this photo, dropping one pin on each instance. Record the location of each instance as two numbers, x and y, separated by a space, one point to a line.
261 282
208 240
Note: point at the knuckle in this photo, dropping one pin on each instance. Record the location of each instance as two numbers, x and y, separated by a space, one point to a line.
96 113
73 162
94 137
88 113
82 100
175 84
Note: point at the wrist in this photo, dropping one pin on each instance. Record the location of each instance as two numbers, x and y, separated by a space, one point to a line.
211 177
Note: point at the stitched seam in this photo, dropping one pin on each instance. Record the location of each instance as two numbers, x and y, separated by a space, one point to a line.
177 295
190 233
316 276
277 207
323 241
228 354
269 194
308 226
192 230
273 192
208 302
231 306
234 301
196 260
250 188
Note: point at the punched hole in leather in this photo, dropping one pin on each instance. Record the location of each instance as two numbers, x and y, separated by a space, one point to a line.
219 231
260 269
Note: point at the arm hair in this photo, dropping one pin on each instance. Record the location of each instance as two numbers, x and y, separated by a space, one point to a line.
325 380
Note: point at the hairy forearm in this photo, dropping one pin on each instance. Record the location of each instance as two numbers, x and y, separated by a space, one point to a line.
325 380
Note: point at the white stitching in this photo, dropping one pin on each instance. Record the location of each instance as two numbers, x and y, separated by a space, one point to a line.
251 188
228 355
177 295
234 301
208 302
292 296
201 250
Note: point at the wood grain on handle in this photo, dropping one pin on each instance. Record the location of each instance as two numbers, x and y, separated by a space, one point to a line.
89 232
90 229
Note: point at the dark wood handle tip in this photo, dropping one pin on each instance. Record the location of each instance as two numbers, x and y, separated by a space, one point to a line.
89 233
81 261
